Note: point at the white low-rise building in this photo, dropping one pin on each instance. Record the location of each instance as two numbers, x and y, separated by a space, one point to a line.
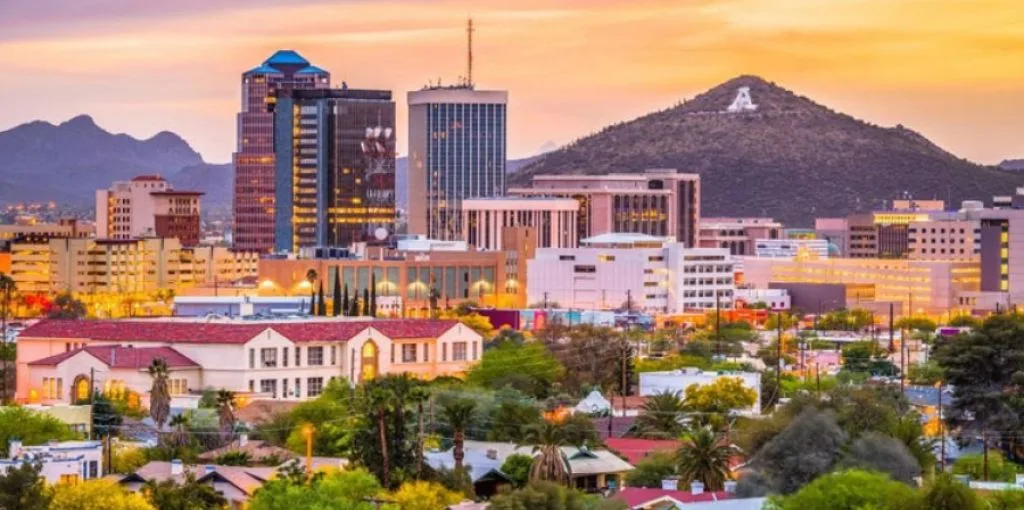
62 462
59 361
646 273
652 383
788 248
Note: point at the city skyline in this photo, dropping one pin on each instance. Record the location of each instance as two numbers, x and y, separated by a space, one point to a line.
945 69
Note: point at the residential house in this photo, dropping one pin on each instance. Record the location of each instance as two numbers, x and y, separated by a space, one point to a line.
62 462
670 498
235 483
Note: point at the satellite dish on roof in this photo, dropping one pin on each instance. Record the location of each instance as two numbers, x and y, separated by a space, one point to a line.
381 233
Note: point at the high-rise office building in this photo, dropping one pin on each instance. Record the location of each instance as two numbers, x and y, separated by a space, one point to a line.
335 167
147 206
457 150
254 159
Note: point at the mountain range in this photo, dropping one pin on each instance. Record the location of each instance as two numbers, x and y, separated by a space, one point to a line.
68 162
787 157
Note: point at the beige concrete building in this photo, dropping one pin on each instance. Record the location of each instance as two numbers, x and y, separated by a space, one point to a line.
553 219
923 286
70 227
90 266
739 235
147 206
657 202
957 239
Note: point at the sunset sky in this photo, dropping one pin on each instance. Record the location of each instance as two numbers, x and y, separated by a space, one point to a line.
952 69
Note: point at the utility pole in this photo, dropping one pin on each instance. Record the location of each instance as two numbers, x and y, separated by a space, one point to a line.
903 370
629 301
778 357
308 432
545 300
942 435
817 376
419 458
892 342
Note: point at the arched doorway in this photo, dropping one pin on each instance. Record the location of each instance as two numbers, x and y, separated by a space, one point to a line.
80 390
369 359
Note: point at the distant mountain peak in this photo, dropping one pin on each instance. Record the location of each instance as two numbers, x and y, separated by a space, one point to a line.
762 149
79 122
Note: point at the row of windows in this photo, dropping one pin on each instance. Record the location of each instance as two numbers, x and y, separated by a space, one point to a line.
269 357
314 387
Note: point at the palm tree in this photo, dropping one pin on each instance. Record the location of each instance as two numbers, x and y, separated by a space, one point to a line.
550 464
659 416
704 457
159 395
910 432
226 411
7 288
459 413
179 423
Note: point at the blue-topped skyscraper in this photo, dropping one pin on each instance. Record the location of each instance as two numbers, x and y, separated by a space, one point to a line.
457 150
254 159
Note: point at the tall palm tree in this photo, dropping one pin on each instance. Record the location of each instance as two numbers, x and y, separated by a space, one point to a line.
226 411
660 416
459 413
159 394
179 423
704 457
549 463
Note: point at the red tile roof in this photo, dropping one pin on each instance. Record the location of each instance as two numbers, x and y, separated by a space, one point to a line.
636 449
230 333
117 356
638 496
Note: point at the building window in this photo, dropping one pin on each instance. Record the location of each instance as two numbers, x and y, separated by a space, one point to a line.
69 479
268 357
94 469
298 356
298 387
426 352
178 386
315 356
459 351
585 269
251 386
474 351
252 358
284 356
314 386
408 353
444 352
334 355
269 386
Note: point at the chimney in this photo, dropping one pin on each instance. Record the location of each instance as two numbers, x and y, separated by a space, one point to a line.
730 486
243 439
176 467
670 484
14 448
492 454
696 488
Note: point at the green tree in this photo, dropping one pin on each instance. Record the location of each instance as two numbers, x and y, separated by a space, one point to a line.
180 425
352 489
126 459
381 438
226 412
884 454
529 368
947 493
31 427
723 396
336 301
551 496
512 416
459 413
549 463
321 302
345 306
1005 500
985 399
923 324
517 467
924 374
867 357
65 306
106 417
853 489
373 295
909 431
419 495
788 321
234 458
704 456
652 469
7 289
807 448
96 495
159 394
999 469
330 415
366 303
660 416
965 321
188 495
22 488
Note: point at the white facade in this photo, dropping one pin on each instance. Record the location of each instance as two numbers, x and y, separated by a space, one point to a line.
652 383
66 462
774 299
485 219
790 248
652 274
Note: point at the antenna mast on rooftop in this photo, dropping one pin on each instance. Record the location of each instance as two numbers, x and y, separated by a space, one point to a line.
469 53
